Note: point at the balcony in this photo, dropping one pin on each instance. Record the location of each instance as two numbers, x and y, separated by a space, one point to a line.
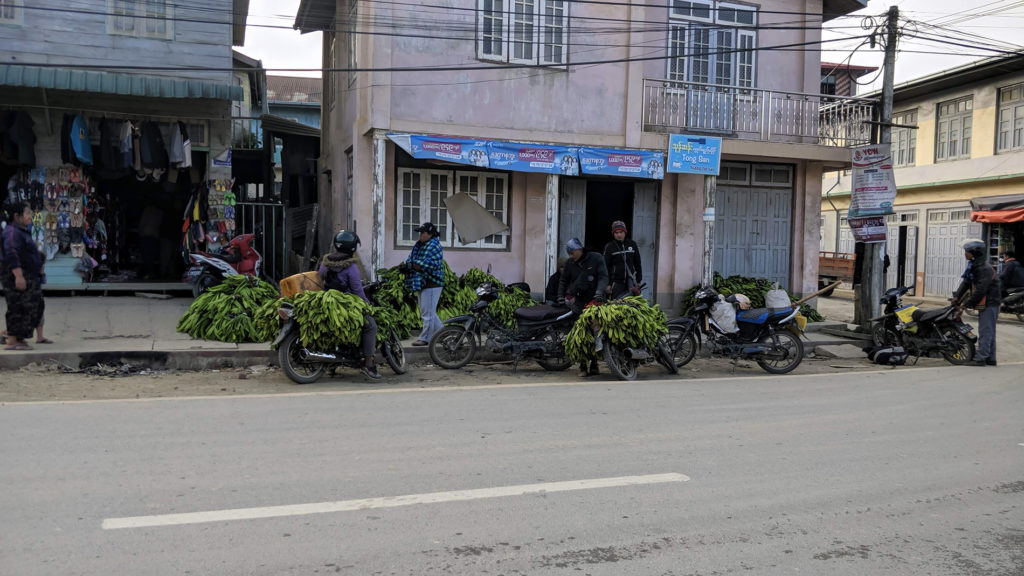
754 114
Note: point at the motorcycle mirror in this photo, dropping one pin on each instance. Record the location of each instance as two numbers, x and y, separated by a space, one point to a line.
488 267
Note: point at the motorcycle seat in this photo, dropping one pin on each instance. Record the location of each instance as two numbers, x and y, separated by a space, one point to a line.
926 315
539 313
762 315
1015 290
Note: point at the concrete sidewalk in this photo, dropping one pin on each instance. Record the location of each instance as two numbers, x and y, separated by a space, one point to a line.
90 330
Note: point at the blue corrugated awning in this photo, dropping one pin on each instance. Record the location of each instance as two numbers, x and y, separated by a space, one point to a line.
115 83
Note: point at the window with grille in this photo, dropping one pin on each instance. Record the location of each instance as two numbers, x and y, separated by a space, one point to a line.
523 31
959 215
953 129
351 61
904 140
141 18
421 196
11 12
1010 130
712 43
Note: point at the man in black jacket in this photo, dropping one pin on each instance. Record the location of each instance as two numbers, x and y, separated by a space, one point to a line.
622 258
584 280
1013 274
981 280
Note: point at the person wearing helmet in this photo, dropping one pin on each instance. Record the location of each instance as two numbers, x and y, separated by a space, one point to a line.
584 280
622 258
424 274
985 295
340 271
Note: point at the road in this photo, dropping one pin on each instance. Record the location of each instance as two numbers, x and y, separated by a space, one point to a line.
909 471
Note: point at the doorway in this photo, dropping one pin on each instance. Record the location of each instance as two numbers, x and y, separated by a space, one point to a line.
607 201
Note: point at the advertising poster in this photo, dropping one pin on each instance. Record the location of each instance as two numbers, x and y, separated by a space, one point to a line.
873 187
694 154
458 150
633 163
533 158
868 228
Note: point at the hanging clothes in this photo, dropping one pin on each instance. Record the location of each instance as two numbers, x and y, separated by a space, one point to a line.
153 149
80 140
186 146
176 151
125 146
66 156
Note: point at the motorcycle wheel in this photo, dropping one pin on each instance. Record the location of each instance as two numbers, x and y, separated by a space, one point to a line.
560 363
452 347
882 336
298 371
682 345
615 358
204 283
964 348
792 353
394 354
1020 316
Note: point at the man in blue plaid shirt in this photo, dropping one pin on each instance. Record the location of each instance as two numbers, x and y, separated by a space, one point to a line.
424 274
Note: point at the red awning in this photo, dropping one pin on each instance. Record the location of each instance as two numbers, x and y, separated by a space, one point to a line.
998 216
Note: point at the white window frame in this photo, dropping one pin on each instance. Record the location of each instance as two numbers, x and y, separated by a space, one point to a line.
435 212
523 24
1010 119
122 13
686 30
904 140
959 123
351 60
12 12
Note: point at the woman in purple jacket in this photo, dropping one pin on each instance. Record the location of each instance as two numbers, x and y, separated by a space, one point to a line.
340 271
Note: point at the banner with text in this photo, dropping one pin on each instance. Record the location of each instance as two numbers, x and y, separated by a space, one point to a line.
868 228
872 187
632 163
533 158
459 150
694 154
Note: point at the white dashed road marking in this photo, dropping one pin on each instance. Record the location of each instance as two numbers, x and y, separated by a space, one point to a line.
384 502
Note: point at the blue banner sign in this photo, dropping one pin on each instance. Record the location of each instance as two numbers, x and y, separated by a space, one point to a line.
694 154
533 158
632 163
459 150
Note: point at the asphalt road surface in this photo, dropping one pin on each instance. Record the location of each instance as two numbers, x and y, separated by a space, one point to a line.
910 471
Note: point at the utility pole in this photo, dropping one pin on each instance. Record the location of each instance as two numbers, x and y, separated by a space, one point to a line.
873 267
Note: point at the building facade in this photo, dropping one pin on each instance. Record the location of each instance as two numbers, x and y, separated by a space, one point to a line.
561 74
958 153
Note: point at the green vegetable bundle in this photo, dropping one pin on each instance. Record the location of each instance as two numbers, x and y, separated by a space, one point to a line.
265 322
753 288
503 309
475 277
329 318
630 321
456 304
395 297
228 312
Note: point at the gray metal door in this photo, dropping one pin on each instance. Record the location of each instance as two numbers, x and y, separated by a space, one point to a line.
892 250
645 230
752 232
911 261
944 261
572 216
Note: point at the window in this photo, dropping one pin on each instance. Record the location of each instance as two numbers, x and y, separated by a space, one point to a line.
420 198
953 131
141 18
523 31
773 175
1011 118
904 140
350 222
351 63
712 43
11 12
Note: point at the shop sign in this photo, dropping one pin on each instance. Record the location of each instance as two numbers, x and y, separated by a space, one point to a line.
533 158
633 163
873 189
458 150
868 228
694 154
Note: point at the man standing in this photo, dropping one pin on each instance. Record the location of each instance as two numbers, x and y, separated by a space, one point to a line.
1013 273
622 258
22 278
424 270
980 279
584 279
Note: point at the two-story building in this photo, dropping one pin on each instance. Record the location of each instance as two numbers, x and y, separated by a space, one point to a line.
958 153
127 105
514 105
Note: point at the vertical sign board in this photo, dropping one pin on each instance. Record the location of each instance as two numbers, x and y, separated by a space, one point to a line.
872 192
694 154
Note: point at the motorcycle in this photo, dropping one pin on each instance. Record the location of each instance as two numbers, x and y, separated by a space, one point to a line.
238 257
939 331
539 334
1013 303
769 336
304 365
625 361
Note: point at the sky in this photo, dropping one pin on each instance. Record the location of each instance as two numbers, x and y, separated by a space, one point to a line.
994 23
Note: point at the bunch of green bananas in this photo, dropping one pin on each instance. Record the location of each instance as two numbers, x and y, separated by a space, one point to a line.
503 309
395 296
265 321
630 321
753 288
329 318
226 312
475 277
457 305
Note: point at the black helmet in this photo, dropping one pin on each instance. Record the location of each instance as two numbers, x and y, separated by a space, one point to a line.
975 247
346 241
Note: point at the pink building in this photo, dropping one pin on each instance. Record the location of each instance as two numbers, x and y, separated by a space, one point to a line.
428 103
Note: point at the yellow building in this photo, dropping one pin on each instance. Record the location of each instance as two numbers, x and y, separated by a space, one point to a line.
959 174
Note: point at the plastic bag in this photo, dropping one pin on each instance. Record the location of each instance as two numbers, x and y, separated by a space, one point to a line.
724 315
777 298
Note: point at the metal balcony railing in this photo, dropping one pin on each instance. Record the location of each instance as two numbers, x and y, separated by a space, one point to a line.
755 114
